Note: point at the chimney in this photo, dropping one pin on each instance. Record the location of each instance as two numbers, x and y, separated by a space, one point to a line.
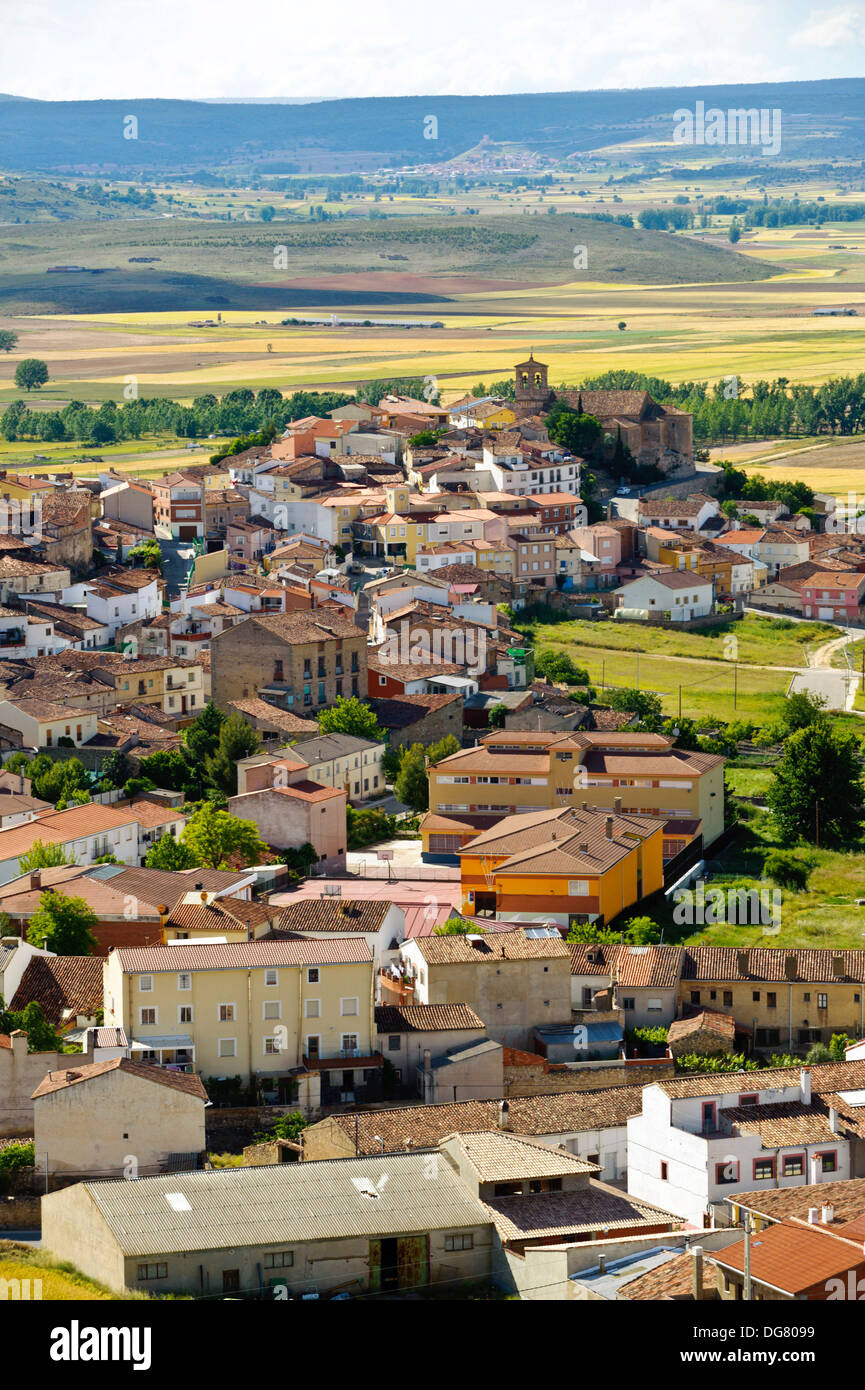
36 878
813 1216
69 1076
21 781
584 848
833 1119
427 1059
608 827
504 1115
839 967
742 962
602 1264
617 805
697 1274
827 1214
805 1085
791 969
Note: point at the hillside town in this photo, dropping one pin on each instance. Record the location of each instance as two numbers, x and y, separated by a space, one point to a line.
301 830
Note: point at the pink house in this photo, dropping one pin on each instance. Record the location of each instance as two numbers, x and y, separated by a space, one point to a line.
604 542
833 596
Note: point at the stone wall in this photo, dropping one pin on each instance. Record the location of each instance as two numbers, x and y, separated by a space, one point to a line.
536 1077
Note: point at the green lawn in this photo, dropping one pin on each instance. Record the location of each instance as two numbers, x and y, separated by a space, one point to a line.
59 1282
759 641
748 781
823 915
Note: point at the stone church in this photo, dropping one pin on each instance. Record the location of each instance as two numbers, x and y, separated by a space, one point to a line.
655 434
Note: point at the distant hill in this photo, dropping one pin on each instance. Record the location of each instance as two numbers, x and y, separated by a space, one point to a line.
175 136
230 265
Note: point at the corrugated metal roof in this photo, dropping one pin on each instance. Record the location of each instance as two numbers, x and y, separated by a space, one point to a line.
278 1205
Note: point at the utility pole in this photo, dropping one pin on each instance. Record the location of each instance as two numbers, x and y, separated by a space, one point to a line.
638 670
603 665
735 683
680 703
746 1292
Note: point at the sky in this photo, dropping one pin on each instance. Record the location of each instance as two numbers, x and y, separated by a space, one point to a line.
90 49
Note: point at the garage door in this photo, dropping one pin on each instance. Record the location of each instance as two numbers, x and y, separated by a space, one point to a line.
826 614
187 533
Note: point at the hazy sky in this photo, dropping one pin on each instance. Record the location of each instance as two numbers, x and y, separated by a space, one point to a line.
72 49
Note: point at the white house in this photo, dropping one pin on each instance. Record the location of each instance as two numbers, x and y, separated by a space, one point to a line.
703 1138
85 833
679 596
514 472
117 604
43 723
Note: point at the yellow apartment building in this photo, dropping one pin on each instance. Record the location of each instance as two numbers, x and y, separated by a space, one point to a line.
628 773
256 1009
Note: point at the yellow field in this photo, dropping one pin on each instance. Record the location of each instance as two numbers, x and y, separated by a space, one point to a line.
57 1284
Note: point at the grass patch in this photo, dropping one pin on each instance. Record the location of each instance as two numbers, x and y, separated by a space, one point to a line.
61 1282
760 641
747 781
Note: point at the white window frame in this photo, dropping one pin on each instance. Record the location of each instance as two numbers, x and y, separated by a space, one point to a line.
269 1004
146 1008
145 984
307 1006
268 982
219 1046
227 1005
184 975
180 1009
349 1013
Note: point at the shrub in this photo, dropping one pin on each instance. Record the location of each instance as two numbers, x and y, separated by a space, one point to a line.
786 869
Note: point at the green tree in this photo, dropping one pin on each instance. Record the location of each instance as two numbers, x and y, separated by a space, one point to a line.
560 667
168 853
838 1044
41 1036
44 856
202 736
237 740
497 716
116 768
148 555
412 783
7 340
458 926
31 373
216 838
351 716
644 703
64 923
801 710
817 792
642 931
443 749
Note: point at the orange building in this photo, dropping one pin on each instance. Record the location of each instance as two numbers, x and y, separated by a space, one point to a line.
566 865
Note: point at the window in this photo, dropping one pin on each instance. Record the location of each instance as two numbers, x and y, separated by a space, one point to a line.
349 1042
271 977
628 1001
272 1009
750 1099
155 1271
271 1047
708 1120
226 1013
348 1006
312 975
145 983
771 1000
728 999
184 1013
313 1008
459 1242
578 888
727 1172
184 981
764 1168
278 1259
695 996
822 1001
393 1042
147 1017
756 996
227 1047
665 1171
793 1166
828 1161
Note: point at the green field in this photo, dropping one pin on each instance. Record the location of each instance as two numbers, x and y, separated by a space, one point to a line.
747 781
823 915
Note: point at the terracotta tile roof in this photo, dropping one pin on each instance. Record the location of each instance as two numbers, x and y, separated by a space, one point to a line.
404 710
352 915
595 1209
825 1079
59 827
299 628
673 1280
63 985
707 1019
220 914
497 1156
846 1196
425 1018
188 1082
792 1256
788 1122
426 1125
488 950
243 955
814 965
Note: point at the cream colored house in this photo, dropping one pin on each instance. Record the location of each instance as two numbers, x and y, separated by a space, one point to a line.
43 723
258 1009
118 1119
